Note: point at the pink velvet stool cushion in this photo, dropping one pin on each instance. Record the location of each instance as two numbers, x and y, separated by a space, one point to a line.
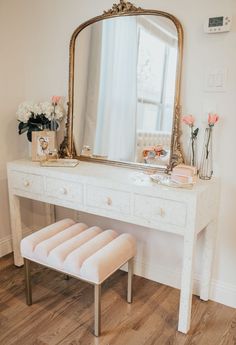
87 253
29 243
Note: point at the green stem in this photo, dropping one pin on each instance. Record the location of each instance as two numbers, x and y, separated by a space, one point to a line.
208 141
193 153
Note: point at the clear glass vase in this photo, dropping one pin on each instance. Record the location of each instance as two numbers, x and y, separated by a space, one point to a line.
29 149
192 150
206 165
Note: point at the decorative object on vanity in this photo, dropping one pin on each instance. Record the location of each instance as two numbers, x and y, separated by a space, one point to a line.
206 165
60 163
57 113
40 116
63 149
123 85
184 174
166 180
43 143
86 151
189 120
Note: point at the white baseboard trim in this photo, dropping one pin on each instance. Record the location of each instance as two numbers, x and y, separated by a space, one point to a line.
6 242
223 293
220 292
5 246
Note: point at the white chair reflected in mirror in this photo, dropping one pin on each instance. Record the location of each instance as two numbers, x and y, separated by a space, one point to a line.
151 139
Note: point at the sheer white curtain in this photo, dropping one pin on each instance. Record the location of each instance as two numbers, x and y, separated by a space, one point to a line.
116 118
93 73
82 67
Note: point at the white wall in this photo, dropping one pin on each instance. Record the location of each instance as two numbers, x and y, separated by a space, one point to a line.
34 65
12 91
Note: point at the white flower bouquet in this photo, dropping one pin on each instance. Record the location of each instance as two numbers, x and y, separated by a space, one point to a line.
40 116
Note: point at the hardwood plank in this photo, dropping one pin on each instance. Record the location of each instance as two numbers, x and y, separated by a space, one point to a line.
62 312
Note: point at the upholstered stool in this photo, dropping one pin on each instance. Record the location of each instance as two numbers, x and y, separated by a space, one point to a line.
89 254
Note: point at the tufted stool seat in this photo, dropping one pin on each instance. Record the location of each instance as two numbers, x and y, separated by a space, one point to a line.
89 254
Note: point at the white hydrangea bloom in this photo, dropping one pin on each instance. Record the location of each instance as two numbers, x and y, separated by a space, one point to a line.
28 109
47 109
59 112
24 111
37 109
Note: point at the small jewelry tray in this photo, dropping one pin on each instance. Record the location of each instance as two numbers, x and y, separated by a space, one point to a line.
61 162
165 180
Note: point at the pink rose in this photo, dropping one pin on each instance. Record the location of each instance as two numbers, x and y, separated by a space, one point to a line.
56 99
188 120
212 119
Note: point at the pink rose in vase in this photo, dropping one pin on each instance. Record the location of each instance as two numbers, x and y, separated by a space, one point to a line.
55 102
188 120
212 119
56 99
206 166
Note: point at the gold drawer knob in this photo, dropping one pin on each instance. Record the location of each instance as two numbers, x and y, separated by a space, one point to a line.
109 201
161 212
26 183
63 191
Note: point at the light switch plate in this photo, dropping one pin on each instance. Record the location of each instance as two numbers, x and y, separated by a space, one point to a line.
215 79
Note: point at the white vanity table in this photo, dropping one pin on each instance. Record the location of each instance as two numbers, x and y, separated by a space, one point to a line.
126 195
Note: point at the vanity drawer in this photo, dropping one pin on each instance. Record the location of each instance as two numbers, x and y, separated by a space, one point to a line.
27 182
108 199
160 210
64 190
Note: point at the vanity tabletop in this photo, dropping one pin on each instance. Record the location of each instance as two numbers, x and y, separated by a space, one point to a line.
124 177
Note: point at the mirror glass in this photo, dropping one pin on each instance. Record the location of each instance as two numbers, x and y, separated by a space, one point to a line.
124 89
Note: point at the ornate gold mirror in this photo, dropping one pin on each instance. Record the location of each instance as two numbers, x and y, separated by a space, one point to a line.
124 88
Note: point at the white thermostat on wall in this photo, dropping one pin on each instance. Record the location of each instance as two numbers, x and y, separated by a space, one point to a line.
214 25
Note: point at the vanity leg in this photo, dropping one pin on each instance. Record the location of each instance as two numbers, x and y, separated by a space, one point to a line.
130 280
187 281
50 213
208 256
16 228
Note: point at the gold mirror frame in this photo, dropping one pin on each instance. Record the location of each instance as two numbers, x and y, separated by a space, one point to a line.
127 9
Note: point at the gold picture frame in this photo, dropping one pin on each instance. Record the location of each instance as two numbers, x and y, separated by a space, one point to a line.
43 142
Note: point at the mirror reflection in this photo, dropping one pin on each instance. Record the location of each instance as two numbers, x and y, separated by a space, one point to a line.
124 89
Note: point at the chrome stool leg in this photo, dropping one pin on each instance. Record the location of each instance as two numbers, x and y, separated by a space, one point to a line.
130 280
97 310
28 291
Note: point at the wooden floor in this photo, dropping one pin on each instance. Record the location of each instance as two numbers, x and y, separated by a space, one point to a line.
62 313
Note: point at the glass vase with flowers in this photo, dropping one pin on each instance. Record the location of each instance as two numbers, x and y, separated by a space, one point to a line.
189 120
206 165
40 116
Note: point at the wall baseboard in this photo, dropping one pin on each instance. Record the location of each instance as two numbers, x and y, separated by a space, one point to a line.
220 292
6 242
223 293
5 246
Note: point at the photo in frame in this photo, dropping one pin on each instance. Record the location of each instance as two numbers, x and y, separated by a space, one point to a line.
43 142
